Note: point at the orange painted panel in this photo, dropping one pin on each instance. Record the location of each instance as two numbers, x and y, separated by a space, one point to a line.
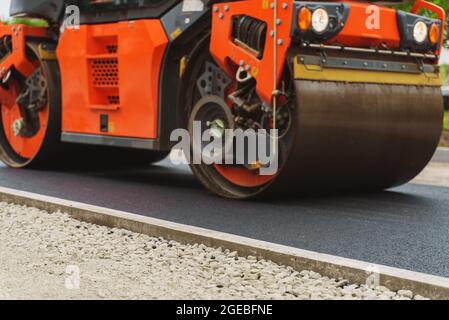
113 70
357 33
228 54
17 58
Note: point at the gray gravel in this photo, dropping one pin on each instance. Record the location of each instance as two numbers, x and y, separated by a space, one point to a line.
45 256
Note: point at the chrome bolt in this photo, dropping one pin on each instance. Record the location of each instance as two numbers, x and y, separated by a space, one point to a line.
5 77
280 42
247 67
242 62
278 21
284 5
215 9
226 8
272 33
221 15
18 126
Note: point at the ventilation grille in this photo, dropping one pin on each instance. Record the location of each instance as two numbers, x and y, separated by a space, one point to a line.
112 49
114 100
105 72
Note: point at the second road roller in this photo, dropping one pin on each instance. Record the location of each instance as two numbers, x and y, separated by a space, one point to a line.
343 95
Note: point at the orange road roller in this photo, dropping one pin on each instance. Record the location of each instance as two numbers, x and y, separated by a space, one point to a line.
348 93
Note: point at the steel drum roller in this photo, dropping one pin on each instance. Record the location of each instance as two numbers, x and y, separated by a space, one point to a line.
360 136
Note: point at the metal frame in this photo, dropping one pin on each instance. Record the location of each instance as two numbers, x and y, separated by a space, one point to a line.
364 64
363 50
134 143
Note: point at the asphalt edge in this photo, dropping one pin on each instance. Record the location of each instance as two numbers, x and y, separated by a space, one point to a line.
441 155
327 265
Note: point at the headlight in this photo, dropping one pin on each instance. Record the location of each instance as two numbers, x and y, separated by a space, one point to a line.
304 19
320 20
434 34
420 32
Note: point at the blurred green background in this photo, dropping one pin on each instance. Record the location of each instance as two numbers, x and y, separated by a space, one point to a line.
445 71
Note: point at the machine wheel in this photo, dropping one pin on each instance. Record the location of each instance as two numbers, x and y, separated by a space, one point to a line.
342 137
40 146
23 145
230 181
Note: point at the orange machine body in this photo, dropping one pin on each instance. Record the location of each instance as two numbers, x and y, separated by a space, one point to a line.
360 31
112 72
268 70
119 63
229 54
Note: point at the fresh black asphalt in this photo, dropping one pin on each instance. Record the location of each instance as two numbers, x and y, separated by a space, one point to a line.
407 227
